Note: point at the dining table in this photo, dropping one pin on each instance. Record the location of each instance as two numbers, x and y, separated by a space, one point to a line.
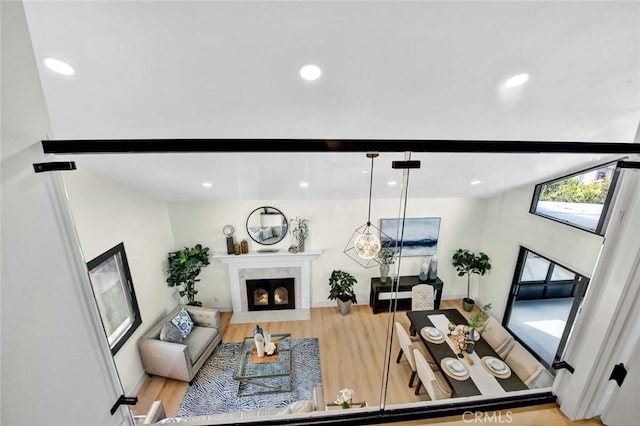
479 380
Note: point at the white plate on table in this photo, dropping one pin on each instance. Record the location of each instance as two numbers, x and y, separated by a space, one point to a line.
456 368
496 365
432 332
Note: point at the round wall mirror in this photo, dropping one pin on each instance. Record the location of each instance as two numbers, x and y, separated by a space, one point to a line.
267 225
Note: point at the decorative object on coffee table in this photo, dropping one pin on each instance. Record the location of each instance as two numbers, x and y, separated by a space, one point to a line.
259 341
342 291
466 263
258 330
256 375
184 267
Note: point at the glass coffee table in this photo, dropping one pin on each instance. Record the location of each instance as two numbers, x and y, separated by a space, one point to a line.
268 374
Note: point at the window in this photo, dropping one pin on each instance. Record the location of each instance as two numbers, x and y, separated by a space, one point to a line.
113 290
581 200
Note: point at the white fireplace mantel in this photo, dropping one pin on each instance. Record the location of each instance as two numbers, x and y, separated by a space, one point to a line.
268 262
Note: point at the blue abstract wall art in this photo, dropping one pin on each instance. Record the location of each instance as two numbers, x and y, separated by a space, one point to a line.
420 236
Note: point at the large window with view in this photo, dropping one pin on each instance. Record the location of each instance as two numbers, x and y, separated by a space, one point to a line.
113 289
581 200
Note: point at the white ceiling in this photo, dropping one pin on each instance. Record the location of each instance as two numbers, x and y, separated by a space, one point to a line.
391 70
276 176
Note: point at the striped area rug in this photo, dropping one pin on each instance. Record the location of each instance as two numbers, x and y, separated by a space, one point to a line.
214 391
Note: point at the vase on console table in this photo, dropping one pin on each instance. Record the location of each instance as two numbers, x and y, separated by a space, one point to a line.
384 272
433 269
423 276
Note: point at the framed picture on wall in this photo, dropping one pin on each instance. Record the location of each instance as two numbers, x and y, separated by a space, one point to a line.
420 236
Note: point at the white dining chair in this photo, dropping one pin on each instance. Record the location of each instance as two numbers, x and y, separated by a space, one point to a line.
407 346
422 298
526 366
433 382
497 337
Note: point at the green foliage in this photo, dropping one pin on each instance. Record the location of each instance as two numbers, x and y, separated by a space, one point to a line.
341 284
185 266
387 254
478 318
467 262
573 191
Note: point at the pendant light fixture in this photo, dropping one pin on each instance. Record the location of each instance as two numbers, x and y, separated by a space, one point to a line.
364 245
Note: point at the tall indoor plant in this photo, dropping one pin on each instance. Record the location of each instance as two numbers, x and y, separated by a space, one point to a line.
466 263
184 267
341 289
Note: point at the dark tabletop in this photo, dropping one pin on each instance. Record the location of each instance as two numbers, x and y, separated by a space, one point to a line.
420 319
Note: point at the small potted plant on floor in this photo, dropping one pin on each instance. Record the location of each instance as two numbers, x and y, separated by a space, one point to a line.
184 267
341 289
466 263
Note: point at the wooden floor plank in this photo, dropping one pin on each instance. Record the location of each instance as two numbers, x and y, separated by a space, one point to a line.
352 350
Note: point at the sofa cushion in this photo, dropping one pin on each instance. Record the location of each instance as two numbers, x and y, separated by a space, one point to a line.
183 322
170 333
198 340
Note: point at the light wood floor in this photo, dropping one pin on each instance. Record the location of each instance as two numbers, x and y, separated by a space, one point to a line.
351 355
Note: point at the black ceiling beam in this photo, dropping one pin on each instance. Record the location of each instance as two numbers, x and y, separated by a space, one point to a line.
113 146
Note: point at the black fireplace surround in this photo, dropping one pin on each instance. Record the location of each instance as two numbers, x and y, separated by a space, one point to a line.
271 294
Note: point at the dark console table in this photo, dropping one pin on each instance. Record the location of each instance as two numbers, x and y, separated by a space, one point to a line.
404 302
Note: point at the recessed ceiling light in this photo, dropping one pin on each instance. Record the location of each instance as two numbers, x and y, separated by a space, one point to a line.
392 183
303 184
517 80
364 172
310 72
475 182
59 66
207 184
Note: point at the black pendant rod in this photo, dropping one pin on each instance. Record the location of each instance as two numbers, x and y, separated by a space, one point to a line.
371 155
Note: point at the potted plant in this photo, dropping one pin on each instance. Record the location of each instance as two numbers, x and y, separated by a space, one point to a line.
341 284
387 258
466 263
184 267
300 232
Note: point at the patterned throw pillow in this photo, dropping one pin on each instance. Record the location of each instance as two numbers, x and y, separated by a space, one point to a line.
183 322
170 333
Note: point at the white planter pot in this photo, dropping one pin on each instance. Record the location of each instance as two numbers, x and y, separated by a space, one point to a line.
344 307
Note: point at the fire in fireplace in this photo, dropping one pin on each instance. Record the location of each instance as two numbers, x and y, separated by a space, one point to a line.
271 294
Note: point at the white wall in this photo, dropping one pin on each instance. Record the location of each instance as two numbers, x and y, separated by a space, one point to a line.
107 213
54 369
332 223
509 225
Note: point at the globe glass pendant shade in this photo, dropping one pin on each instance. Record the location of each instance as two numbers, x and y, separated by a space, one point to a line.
367 246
